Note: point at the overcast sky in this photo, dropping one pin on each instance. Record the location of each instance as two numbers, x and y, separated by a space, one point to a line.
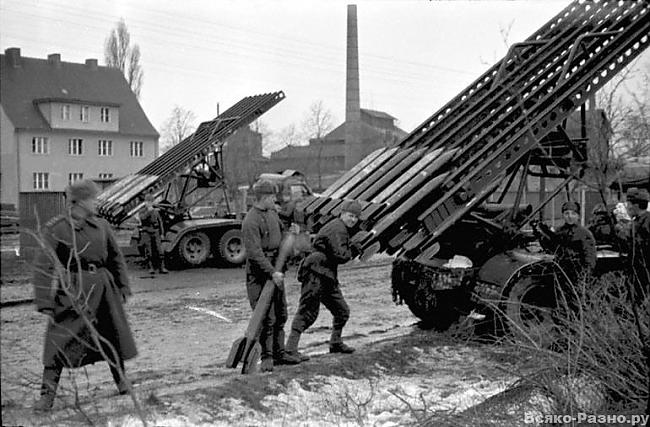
414 55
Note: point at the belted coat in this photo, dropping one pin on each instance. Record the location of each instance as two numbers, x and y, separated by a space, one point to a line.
95 283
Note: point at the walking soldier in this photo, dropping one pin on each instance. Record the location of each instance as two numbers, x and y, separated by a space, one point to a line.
319 277
98 284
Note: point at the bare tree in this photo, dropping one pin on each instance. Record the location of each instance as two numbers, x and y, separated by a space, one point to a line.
287 136
317 123
179 125
624 102
120 54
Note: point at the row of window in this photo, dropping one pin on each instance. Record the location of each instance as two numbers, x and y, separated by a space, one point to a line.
84 113
40 145
42 179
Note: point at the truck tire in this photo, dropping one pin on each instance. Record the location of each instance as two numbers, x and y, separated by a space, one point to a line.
435 308
231 248
194 248
529 313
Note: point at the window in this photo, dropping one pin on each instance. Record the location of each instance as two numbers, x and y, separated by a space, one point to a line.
65 112
137 149
40 145
105 147
105 175
105 115
75 146
75 176
41 180
85 113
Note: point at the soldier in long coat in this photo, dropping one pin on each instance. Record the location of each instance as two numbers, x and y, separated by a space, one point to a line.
89 290
636 240
318 275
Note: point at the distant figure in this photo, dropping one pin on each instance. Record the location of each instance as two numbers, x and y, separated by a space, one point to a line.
573 245
319 277
84 245
262 234
635 236
151 224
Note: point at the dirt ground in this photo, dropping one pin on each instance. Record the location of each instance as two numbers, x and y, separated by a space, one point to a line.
400 374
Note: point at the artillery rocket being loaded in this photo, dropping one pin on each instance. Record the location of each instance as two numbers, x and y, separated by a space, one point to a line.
438 194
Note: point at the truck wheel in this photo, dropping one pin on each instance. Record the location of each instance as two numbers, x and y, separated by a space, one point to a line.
435 308
231 248
194 248
529 312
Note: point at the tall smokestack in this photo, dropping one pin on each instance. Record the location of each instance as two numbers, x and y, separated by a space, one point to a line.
353 148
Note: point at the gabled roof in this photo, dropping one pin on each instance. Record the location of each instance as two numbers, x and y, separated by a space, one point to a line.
37 80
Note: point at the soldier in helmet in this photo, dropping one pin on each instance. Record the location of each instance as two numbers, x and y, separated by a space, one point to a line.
319 278
262 234
573 245
151 225
636 239
80 246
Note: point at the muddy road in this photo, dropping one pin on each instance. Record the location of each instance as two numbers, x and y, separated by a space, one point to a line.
399 375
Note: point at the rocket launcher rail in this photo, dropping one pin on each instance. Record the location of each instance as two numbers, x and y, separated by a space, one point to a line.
125 197
488 131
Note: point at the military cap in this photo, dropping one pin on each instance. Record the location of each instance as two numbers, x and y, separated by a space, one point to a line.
351 206
571 206
637 195
81 190
264 187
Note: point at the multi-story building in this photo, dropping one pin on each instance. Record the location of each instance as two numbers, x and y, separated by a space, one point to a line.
63 121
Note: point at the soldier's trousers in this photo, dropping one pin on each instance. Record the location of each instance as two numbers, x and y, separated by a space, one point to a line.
153 249
272 333
315 290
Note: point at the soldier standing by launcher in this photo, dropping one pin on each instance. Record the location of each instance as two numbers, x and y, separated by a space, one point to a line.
319 278
573 245
152 231
636 240
84 245
262 233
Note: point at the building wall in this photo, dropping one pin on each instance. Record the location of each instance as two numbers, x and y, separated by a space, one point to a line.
58 163
8 161
52 113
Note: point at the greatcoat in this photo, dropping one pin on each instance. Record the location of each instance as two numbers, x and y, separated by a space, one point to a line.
95 283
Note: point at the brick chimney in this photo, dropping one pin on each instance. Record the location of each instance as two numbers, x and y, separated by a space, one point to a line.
91 63
54 59
13 57
353 147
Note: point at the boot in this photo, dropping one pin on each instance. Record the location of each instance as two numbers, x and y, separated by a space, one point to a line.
266 365
122 388
287 359
162 269
336 344
51 376
292 346
152 270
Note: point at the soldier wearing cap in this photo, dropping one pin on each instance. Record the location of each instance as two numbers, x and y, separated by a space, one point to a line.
262 234
319 278
636 239
151 224
573 245
81 272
